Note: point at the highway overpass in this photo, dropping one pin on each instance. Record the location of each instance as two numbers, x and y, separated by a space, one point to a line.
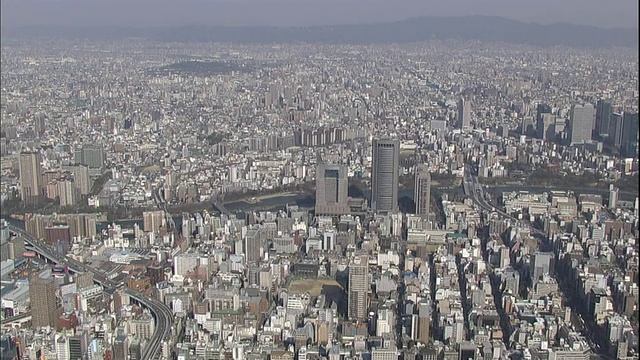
474 190
16 320
161 313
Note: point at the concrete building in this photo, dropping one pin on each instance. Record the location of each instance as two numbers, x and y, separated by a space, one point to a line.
332 184
384 175
42 293
581 123
31 185
153 220
358 298
545 127
603 114
464 114
629 141
422 191
90 155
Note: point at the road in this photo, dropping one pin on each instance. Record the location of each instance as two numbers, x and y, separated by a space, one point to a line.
220 207
17 318
473 189
161 313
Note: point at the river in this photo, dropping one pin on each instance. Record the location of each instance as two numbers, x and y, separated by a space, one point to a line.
307 202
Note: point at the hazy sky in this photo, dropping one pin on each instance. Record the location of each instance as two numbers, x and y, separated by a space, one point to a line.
601 13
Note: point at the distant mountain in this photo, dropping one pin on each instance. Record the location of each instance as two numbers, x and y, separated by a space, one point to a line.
483 28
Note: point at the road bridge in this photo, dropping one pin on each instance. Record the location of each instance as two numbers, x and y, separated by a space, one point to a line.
218 206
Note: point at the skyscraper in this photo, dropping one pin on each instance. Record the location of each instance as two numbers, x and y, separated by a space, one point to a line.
384 175
121 347
42 293
153 220
90 155
81 178
603 114
616 122
541 263
39 120
545 127
331 190
358 288
629 143
582 118
464 114
30 177
422 190
252 246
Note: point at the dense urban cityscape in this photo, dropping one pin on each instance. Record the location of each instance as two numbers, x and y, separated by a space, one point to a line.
447 199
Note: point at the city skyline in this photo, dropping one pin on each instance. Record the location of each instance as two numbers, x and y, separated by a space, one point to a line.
304 13
246 193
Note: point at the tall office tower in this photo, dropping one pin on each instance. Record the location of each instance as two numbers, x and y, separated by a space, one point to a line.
582 117
67 192
252 246
629 141
464 114
542 109
42 293
30 177
332 185
541 263
153 220
358 297
613 196
82 179
384 175
603 114
422 190
545 127
616 123
90 155
39 123
528 125
424 322
4 146
121 347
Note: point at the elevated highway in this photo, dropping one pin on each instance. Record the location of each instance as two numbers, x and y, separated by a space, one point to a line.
16 320
473 189
162 314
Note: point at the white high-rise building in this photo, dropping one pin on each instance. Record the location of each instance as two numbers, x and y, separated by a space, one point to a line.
581 124
464 114
358 300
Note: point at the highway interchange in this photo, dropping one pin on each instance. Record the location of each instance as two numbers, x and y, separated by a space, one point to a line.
161 313
473 189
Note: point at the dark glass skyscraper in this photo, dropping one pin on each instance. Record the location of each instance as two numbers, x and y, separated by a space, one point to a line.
603 113
629 144
384 175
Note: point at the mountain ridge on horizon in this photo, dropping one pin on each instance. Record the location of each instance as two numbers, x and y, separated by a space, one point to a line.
414 29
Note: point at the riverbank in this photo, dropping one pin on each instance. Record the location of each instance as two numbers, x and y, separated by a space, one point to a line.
275 202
